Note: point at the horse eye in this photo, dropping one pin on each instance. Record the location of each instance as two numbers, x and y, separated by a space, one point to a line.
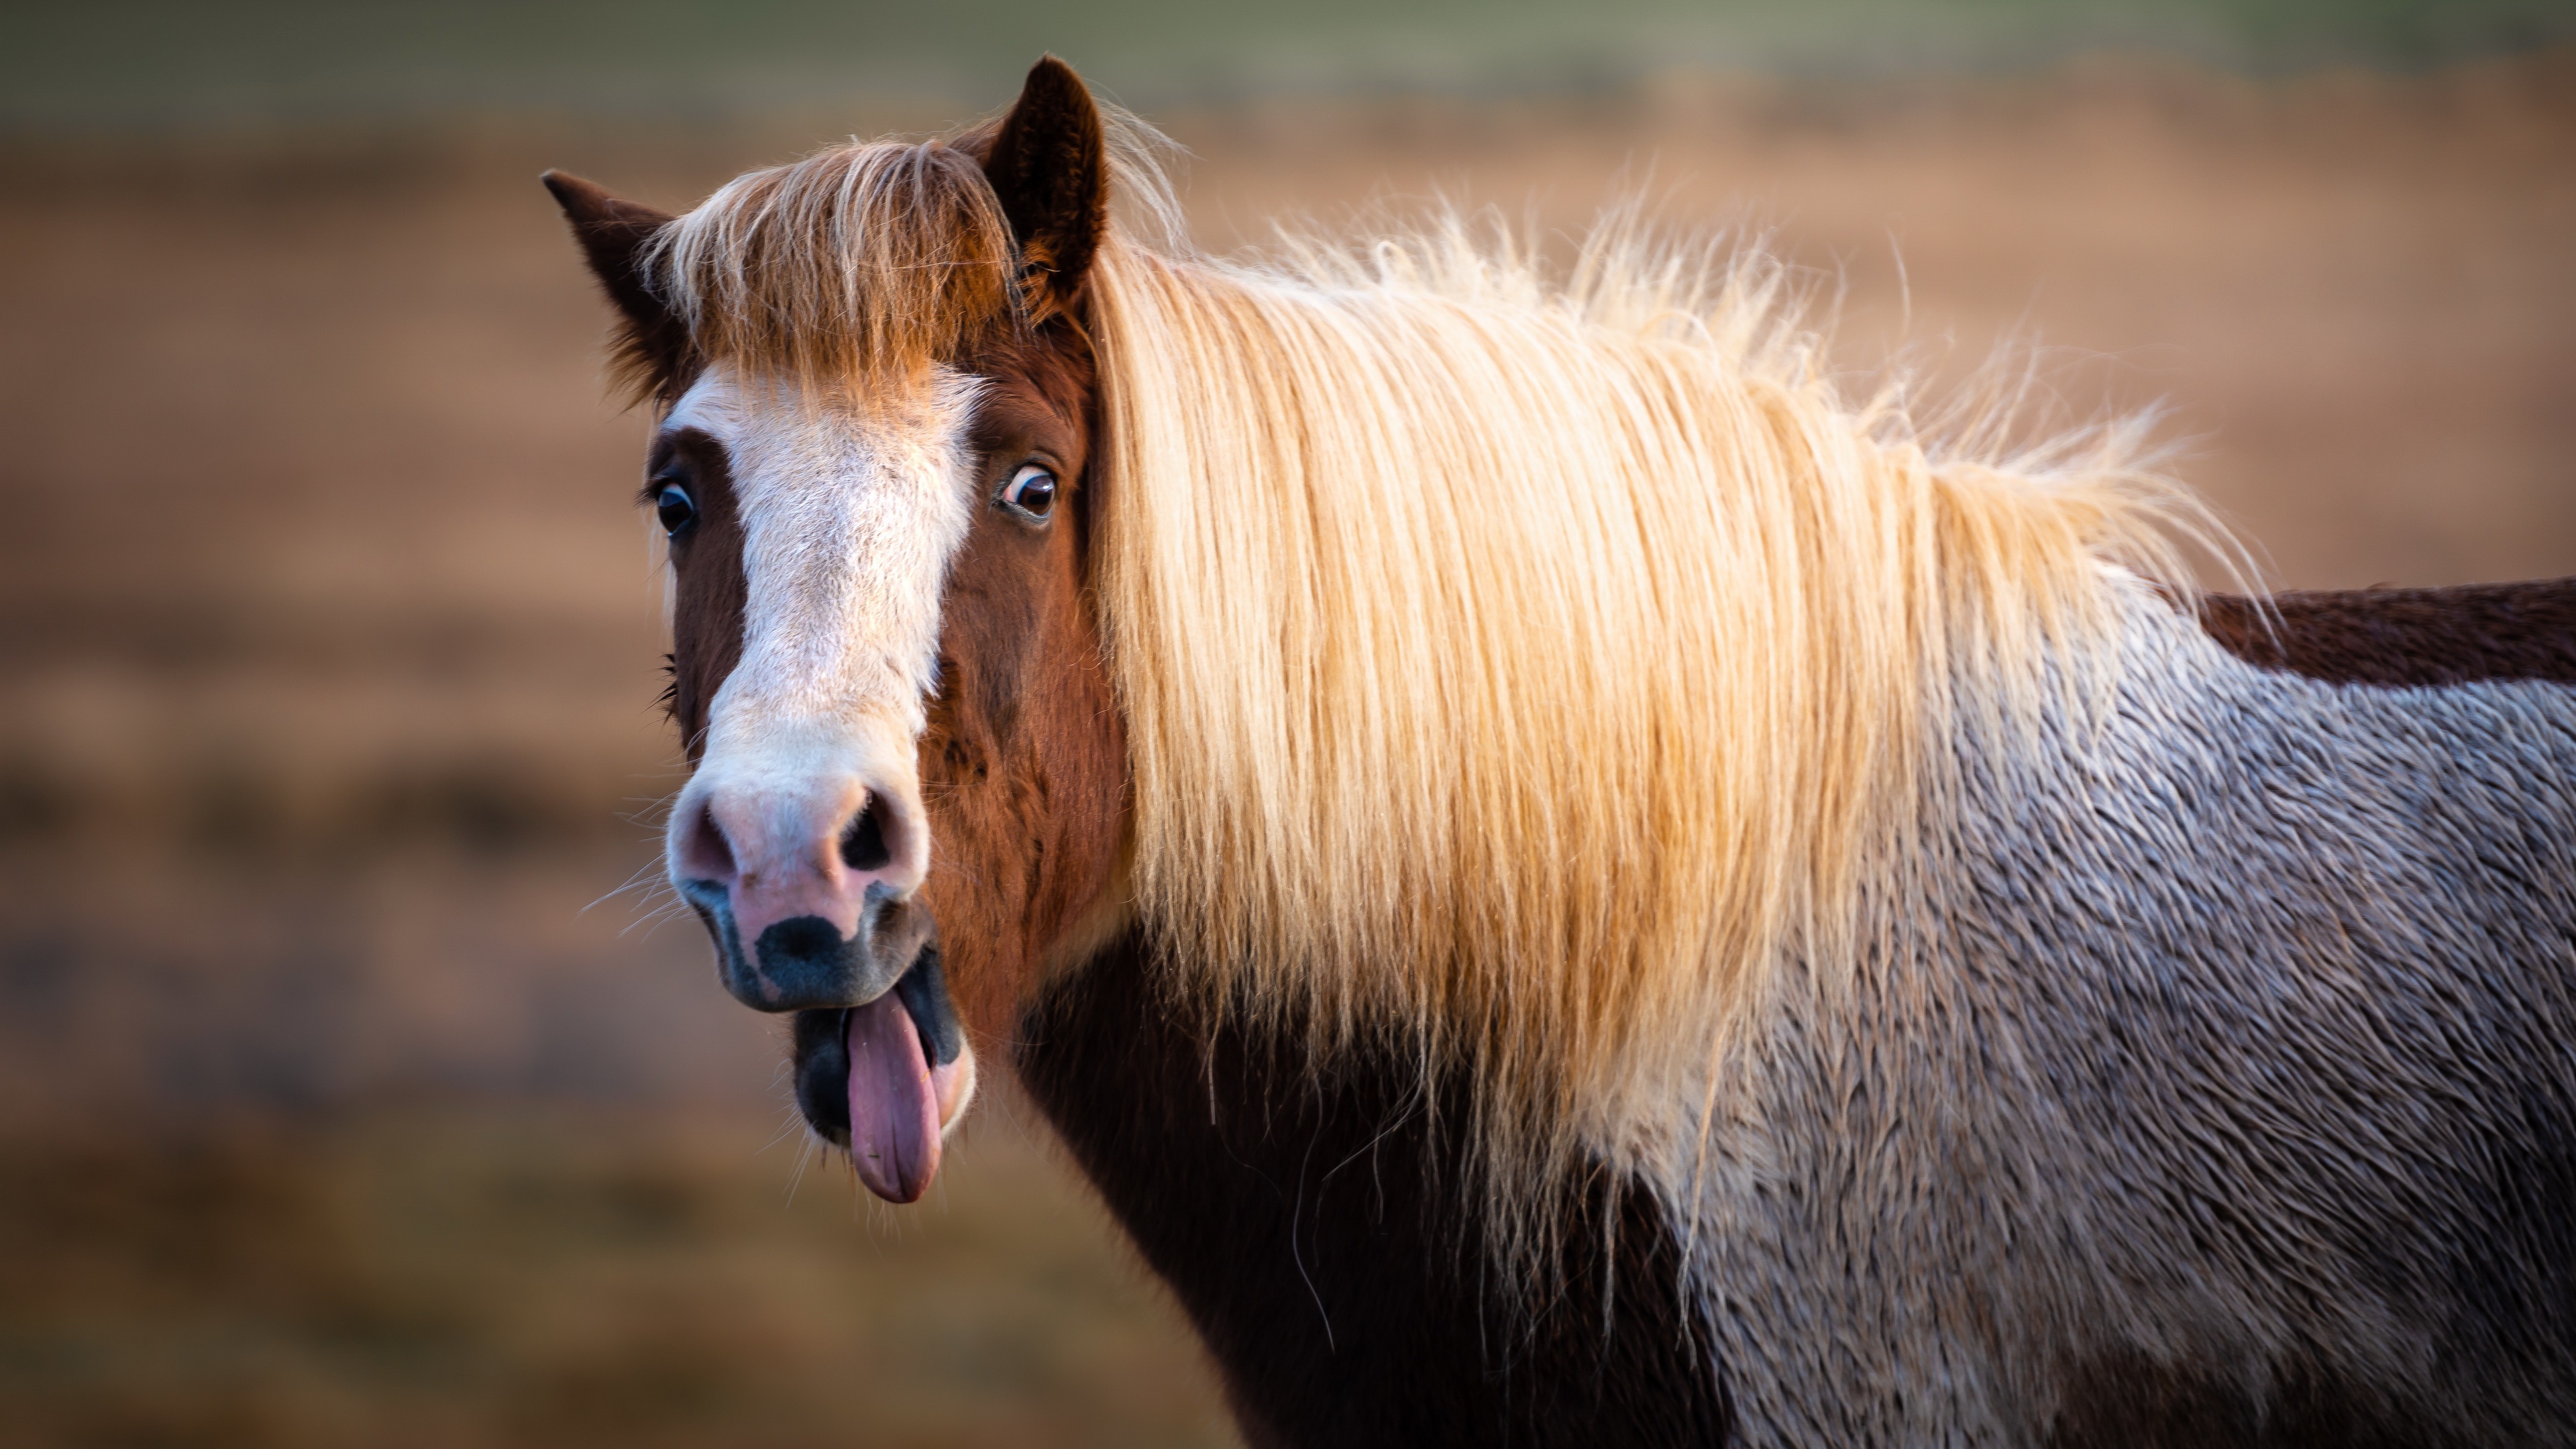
1031 490
673 507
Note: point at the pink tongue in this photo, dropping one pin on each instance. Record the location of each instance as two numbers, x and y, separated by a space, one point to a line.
894 1113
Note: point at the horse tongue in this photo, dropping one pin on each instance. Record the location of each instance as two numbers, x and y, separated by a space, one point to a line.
894 1113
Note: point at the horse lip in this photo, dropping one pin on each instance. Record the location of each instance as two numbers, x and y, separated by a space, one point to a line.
923 990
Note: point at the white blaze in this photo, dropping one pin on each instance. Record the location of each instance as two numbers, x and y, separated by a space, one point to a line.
850 512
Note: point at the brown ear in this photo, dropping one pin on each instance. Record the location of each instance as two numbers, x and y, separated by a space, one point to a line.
612 233
1050 167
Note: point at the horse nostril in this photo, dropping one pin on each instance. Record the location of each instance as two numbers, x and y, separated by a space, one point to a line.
705 854
863 845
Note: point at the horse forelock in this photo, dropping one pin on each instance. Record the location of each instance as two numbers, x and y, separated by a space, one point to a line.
865 261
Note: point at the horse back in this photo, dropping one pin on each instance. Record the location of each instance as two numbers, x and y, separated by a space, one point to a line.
2425 638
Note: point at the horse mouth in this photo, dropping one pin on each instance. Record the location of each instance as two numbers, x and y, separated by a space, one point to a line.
887 1079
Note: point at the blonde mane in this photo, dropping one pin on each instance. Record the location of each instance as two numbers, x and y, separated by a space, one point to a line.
1536 667
1523 670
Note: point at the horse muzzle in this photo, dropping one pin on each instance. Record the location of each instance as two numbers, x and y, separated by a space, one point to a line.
809 894
885 1075
806 881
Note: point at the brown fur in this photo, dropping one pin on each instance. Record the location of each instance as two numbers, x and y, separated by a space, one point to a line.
1024 764
1319 1233
707 583
2130 1402
2407 637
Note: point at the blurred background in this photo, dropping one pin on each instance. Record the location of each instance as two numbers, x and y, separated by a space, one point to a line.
344 1097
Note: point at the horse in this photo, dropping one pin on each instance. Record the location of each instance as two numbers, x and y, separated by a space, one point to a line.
1566 877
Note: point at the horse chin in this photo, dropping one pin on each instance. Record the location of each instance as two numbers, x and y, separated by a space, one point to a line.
887 1080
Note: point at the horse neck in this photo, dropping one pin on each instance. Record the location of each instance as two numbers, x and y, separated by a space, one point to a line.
1319 1227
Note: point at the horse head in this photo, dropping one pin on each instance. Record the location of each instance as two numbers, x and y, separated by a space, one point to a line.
874 386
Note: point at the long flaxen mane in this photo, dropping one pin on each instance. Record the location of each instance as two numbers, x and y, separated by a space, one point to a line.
1519 666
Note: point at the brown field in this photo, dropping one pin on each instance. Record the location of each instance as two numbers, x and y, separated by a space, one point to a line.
328 641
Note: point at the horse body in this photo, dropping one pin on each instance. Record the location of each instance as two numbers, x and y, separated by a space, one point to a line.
2218 1134
2152 1176
1730 929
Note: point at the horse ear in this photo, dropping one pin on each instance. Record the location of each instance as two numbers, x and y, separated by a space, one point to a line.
612 234
1050 167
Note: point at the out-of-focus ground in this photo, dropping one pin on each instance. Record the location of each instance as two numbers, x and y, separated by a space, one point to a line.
328 649
541 1276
